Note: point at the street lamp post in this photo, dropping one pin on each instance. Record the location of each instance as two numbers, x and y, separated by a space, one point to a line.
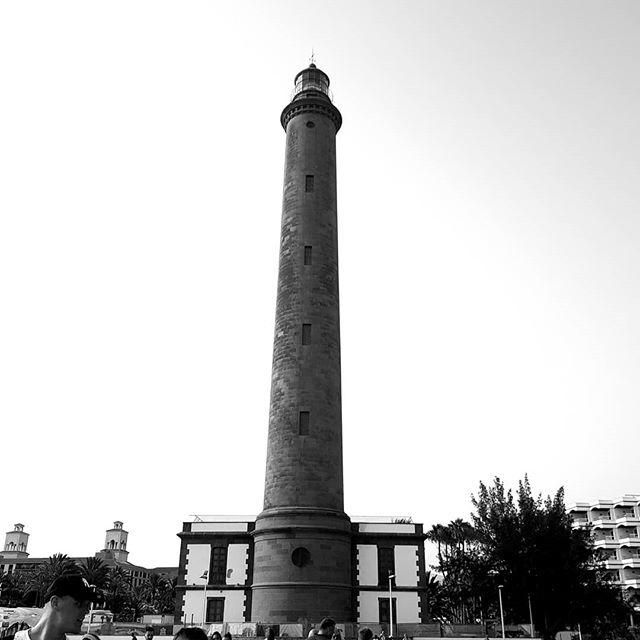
501 609
90 612
205 577
90 617
391 577
530 616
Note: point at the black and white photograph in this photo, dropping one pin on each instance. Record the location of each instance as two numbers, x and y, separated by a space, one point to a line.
333 307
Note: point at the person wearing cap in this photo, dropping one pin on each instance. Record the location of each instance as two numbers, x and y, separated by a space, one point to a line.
68 601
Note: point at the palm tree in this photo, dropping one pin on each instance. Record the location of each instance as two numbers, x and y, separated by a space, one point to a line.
436 534
12 589
58 565
95 571
152 591
167 602
436 599
136 604
118 589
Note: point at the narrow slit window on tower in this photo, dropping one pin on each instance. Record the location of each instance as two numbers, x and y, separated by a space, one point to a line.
306 334
308 183
303 423
307 255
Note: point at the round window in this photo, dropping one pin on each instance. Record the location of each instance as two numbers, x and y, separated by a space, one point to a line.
301 557
310 124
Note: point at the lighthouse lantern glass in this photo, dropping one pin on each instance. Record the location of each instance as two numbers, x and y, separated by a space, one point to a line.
312 80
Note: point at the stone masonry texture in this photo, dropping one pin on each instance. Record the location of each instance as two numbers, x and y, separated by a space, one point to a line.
303 497
307 470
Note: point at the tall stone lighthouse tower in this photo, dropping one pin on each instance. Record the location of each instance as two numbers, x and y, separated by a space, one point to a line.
302 565
303 558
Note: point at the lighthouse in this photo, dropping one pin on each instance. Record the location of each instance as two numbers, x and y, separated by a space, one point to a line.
302 558
302 564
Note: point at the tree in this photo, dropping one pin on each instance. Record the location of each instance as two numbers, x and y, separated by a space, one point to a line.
437 605
159 594
459 564
531 547
118 590
167 602
95 571
12 589
38 583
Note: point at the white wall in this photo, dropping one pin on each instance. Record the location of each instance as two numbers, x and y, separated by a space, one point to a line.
383 527
219 526
194 604
198 556
406 559
367 564
407 607
237 563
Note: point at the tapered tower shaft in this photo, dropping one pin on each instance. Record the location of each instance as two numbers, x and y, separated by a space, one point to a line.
302 539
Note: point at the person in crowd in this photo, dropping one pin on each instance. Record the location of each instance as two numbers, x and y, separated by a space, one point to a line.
326 630
365 634
191 633
216 636
90 636
148 633
227 636
68 601
271 634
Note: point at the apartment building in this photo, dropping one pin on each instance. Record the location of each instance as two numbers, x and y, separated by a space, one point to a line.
615 525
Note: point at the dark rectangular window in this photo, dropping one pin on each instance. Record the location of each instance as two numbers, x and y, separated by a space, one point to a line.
215 610
307 255
306 334
303 423
386 567
218 566
308 183
383 610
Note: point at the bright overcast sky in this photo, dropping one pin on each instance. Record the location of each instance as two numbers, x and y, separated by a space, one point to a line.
489 251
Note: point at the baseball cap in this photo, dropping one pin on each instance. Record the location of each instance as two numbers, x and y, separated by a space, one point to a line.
75 586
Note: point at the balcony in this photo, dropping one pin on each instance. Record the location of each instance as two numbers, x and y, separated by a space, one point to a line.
627 538
632 563
603 522
630 518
